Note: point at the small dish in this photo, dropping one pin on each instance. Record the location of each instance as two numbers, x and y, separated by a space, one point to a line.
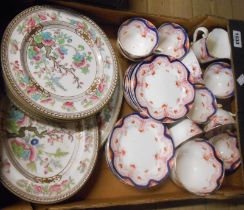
137 38
184 130
153 80
173 40
227 150
197 168
219 123
140 150
218 77
204 105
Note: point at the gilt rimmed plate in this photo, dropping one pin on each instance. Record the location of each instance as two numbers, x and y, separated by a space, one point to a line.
163 88
109 114
43 162
59 63
140 150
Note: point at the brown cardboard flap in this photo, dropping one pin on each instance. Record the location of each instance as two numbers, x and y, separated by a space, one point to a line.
19 206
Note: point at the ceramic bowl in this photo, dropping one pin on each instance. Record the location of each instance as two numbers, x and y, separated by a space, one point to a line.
137 38
140 150
226 147
173 40
184 130
197 168
153 80
192 64
218 123
204 105
218 77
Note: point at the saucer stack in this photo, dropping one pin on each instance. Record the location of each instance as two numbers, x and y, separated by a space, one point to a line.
62 78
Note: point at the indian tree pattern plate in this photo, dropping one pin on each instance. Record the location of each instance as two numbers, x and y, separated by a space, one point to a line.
109 114
59 63
43 162
140 150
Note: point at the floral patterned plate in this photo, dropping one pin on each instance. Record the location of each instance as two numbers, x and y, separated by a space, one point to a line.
162 88
59 63
139 151
43 162
108 116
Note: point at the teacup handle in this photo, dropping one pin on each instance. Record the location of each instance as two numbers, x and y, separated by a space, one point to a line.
204 30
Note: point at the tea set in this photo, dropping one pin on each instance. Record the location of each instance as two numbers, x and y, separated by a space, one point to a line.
65 91
179 127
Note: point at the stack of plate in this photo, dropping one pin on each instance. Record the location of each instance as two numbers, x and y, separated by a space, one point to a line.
58 66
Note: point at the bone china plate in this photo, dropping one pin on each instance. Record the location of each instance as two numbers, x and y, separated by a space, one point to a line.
59 63
140 150
43 162
163 88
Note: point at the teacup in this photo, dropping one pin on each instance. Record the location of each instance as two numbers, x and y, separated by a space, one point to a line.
173 40
226 147
137 38
218 77
212 46
221 121
184 130
204 105
197 168
192 64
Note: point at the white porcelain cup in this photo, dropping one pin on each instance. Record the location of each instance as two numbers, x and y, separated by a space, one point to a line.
196 167
192 64
184 130
212 46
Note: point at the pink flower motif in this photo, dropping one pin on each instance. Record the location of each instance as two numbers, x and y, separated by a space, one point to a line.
69 104
31 23
80 25
42 17
32 153
55 188
37 188
47 101
31 89
101 86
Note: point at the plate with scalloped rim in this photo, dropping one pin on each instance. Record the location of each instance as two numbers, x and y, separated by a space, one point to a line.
59 63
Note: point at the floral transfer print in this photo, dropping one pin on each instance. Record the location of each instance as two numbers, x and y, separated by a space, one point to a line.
48 190
58 64
30 141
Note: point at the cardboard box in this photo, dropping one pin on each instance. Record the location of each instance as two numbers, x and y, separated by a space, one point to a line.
104 189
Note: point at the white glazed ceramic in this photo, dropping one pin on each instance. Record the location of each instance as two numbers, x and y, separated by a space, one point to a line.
173 40
140 151
162 88
137 38
211 46
43 162
184 130
218 123
218 77
60 65
192 64
226 147
109 114
204 105
197 168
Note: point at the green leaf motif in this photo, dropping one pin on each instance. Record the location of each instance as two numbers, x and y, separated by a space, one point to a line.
32 166
50 169
58 154
12 126
84 70
38 38
81 47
